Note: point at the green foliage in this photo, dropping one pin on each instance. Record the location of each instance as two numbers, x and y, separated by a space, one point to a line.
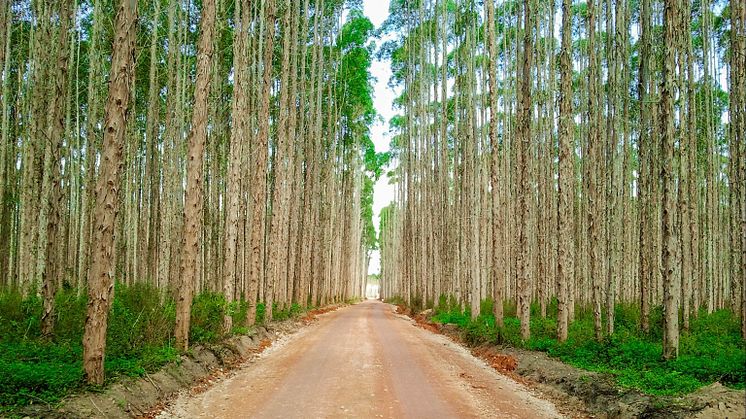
260 310
42 370
712 351
208 310
395 300
279 314
36 369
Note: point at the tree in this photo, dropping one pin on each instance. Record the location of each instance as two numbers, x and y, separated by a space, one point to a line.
565 267
497 224
645 177
100 276
524 141
670 277
52 271
195 177
239 131
258 176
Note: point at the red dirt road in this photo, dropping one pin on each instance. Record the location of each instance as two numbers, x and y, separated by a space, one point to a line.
364 361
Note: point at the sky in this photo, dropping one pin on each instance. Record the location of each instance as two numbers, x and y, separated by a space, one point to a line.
377 11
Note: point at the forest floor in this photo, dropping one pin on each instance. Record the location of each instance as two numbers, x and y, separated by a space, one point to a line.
364 361
580 393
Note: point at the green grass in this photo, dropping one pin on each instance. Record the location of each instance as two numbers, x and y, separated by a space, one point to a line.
139 339
711 351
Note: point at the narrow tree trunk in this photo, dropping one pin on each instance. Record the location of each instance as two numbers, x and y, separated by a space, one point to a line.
524 140
594 155
566 247
670 278
195 178
52 271
239 132
258 176
644 176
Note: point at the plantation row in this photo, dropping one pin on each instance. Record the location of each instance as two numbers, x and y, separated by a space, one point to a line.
204 148
591 152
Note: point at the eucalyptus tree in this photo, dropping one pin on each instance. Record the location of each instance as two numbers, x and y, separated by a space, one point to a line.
607 199
100 275
195 168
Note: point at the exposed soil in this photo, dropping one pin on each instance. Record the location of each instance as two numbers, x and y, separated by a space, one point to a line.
580 393
364 361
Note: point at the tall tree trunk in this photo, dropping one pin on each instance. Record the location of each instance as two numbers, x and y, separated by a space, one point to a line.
101 272
259 176
668 91
239 132
524 141
496 272
276 241
645 172
737 113
566 247
51 274
195 178
152 156
594 155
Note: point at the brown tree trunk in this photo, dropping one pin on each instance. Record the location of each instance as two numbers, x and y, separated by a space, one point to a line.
496 272
524 142
259 175
737 114
195 178
594 157
670 279
51 274
566 247
645 172
277 234
152 157
101 272
239 133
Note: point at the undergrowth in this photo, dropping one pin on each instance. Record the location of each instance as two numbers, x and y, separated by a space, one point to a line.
711 351
38 369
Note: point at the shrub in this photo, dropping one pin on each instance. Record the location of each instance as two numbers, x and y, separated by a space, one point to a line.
208 310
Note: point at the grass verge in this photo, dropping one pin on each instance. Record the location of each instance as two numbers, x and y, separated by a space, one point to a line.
42 370
712 350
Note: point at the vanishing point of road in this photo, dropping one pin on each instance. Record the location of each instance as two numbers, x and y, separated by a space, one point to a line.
364 361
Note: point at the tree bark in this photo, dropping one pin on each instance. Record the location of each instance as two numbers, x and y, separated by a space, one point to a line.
566 247
259 176
195 178
51 274
101 273
524 141
670 278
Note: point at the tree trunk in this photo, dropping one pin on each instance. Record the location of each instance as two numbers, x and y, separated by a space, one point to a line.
670 278
566 247
239 132
524 140
101 273
259 176
195 178
51 274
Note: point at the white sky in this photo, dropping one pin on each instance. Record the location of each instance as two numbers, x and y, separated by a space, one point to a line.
377 11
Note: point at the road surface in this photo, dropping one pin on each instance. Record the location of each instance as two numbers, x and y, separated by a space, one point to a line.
364 361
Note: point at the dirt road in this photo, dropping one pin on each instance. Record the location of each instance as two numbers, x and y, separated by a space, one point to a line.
364 361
